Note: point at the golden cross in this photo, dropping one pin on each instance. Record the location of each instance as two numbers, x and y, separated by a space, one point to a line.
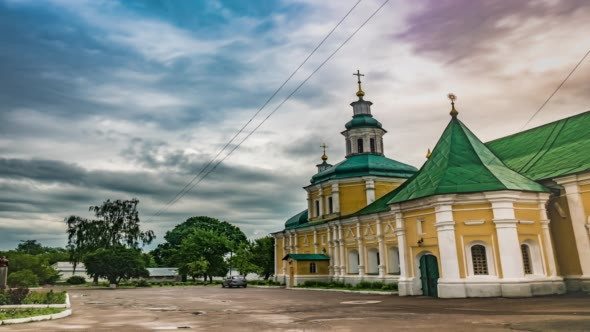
324 146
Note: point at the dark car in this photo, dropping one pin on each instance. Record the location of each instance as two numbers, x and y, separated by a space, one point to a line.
236 281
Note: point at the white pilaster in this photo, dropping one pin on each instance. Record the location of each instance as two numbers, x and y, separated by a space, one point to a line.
404 280
382 257
361 249
578 216
321 200
285 252
309 208
508 245
342 257
370 190
336 197
551 268
330 251
315 241
336 251
450 284
296 249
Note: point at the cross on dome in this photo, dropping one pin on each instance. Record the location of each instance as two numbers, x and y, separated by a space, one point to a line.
359 93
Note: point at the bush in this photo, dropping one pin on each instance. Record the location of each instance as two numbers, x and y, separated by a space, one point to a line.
50 297
3 298
76 280
23 278
390 287
17 295
142 283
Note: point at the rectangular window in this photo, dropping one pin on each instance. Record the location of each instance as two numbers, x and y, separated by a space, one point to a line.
317 208
359 144
330 205
372 143
419 230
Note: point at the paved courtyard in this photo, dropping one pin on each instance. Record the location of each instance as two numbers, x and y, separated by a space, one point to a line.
257 309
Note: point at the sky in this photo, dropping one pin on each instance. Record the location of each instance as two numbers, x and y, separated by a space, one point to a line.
130 99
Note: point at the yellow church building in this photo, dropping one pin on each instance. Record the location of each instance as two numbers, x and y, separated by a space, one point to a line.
510 217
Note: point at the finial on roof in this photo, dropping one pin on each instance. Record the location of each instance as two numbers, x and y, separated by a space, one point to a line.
324 156
428 154
359 93
452 97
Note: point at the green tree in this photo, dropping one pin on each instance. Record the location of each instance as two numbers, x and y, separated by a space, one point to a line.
243 260
115 264
263 256
116 225
31 247
38 264
204 245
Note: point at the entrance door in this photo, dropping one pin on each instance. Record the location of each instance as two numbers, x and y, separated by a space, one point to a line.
429 275
291 276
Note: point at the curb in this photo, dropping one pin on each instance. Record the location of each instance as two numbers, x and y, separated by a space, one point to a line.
345 291
262 286
58 315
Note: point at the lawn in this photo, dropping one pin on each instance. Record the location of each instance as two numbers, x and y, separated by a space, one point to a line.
22 313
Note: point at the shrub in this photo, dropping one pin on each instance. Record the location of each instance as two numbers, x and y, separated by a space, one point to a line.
17 295
142 283
50 297
3 298
390 287
76 280
23 278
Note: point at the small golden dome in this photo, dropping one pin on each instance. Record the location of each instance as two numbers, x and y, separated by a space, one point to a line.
428 154
324 157
452 97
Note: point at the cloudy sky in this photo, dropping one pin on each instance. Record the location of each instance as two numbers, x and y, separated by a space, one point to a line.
122 99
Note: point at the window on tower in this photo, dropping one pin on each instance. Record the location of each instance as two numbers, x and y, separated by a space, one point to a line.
317 208
359 143
330 205
348 147
372 144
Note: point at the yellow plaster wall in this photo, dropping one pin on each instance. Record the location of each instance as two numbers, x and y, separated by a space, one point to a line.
382 188
585 193
352 197
302 267
280 254
429 235
533 232
465 234
566 253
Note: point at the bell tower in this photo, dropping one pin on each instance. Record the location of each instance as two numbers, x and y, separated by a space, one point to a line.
363 134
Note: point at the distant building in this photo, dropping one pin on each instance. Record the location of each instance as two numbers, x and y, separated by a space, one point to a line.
66 270
163 274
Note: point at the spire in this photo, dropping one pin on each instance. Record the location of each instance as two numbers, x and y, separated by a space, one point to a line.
324 156
428 154
359 93
452 97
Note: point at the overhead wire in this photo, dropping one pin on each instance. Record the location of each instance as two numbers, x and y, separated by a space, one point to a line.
281 104
176 196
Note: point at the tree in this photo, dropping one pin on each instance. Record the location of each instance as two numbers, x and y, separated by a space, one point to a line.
115 264
263 256
23 278
243 260
204 245
169 253
38 264
31 247
116 225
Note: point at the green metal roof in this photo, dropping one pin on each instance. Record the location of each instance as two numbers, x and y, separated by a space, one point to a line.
307 257
296 220
363 121
461 163
556 149
364 165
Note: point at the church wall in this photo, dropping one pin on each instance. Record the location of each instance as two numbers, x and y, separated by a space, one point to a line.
428 235
280 253
585 193
529 228
473 223
566 253
302 267
352 197
382 188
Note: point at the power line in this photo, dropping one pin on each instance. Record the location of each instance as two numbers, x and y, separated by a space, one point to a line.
184 189
285 100
557 89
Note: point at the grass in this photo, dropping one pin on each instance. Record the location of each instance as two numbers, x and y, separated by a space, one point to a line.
363 285
50 297
22 313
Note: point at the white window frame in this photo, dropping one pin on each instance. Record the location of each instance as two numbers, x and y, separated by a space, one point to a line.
490 259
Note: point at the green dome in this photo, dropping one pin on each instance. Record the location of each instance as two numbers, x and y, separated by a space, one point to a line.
365 165
363 121
298 219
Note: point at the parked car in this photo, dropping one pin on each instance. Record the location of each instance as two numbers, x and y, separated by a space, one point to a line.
236 281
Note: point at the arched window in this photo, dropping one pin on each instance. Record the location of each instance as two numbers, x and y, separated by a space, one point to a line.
317 208
312 268
359 144
373 261
348 147
479 259
394 260
330 205
372 144
526 259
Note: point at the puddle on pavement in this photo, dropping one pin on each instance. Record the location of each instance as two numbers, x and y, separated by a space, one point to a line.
163 309
360 302
197 313
170 327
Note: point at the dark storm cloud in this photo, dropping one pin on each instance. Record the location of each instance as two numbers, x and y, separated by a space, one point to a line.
455 30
